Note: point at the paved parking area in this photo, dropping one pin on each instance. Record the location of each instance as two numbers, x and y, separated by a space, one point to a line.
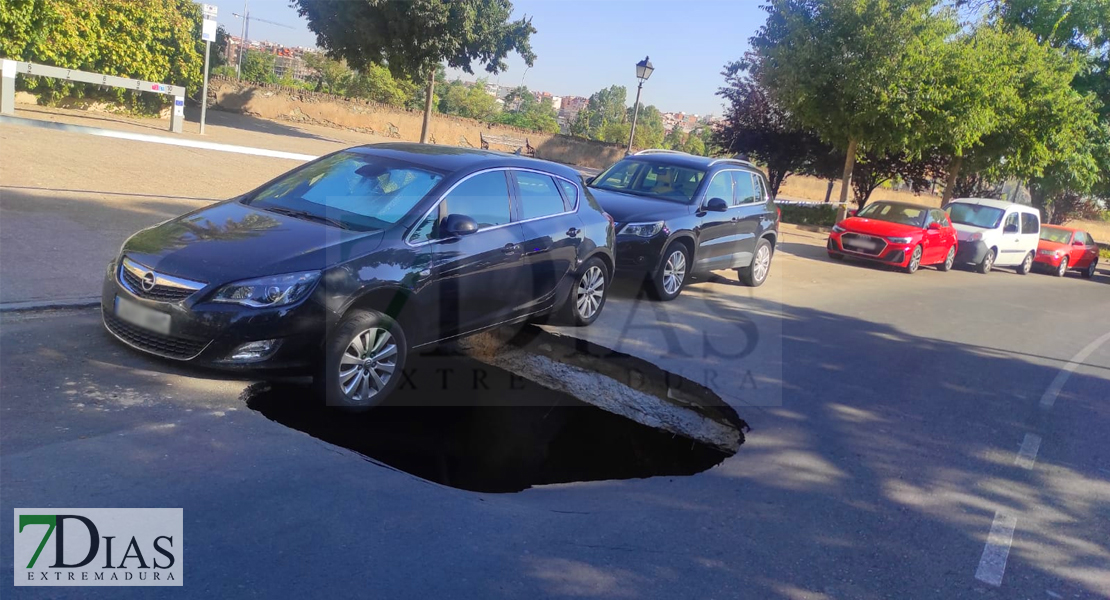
891 419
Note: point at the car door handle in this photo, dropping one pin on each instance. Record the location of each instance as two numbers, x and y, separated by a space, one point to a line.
572 232
510 248
736 219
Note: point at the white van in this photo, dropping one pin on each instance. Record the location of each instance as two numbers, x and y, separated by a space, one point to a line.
993 233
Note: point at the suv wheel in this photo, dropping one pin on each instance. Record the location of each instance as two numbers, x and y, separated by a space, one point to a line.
755 275
670 276
363 359
587 297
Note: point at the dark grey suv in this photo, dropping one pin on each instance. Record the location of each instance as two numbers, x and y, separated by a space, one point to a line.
678 214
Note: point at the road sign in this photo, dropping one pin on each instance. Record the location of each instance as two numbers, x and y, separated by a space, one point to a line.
209 10
208 30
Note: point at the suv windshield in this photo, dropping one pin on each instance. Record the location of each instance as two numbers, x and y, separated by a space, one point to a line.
1052 234
975 215
350 190
667 182
894 213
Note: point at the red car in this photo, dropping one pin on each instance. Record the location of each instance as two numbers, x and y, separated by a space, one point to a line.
1063 248
896 233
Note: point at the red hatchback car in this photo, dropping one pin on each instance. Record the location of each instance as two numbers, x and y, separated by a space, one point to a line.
896 233
1063 248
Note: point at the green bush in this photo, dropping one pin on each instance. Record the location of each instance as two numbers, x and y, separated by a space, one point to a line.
152 40
809 214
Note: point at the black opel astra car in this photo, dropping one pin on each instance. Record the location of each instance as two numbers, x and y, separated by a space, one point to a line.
679 214
343 265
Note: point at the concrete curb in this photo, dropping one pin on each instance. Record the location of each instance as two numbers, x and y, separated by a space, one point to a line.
32 305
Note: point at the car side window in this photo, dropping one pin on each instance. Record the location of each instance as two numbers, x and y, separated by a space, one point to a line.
538 195
1011 223
483 197
1029 223
570 192
745 187
760 188
937 216
721 187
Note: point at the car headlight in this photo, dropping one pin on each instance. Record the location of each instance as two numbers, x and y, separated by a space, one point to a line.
900 240
643 229
975 237
275 290
838 229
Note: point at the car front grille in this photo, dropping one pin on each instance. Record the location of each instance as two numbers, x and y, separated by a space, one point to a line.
854 242
164 289
163 345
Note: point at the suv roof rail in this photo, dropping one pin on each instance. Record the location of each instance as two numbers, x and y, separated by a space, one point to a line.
658 151
739 161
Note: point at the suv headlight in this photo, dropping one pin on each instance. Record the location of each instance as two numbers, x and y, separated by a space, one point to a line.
642 229
900 240
275 290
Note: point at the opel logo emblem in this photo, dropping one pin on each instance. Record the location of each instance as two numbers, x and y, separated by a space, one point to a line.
148 282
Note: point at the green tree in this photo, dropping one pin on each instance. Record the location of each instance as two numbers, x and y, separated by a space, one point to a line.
529 112
417 36
649 127
377 83
258 67
470 101
605 107
153 40
674 139
332 75
850 70
695 145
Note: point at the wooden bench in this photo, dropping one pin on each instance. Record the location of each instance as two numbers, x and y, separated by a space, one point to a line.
521 145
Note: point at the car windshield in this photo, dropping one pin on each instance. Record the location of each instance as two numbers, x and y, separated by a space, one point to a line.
657 180
349 189
894 213
975 215
1053 234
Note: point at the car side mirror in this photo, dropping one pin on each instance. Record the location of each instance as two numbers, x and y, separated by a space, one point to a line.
590 180
716 205
459 225
1078 244
934 225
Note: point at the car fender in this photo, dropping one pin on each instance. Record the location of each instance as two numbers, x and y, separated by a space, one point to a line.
684 234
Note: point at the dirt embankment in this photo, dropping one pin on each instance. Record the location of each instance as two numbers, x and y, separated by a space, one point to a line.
298 106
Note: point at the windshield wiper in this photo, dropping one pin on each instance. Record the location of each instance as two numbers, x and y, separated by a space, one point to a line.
304 214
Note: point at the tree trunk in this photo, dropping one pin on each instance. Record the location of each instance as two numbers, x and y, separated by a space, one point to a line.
828 191
849 165
950 183
428 105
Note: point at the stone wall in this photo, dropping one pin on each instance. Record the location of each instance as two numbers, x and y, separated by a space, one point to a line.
300 106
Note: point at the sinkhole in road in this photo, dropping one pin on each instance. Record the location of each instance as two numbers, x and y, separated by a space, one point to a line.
473 416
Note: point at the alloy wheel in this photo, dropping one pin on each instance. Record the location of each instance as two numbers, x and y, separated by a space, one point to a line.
915 260
762 263
1063 268
1027 264
591 292
367 364
950 259
674 271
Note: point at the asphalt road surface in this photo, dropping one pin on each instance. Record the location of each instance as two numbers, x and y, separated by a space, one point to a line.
895 419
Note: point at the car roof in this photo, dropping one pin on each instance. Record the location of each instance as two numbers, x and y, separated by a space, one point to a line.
1071 229
900 203
682 159
451 159
1002 204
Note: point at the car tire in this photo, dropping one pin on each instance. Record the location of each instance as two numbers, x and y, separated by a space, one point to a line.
1089 272
757 273
671 274
915 260
1026 265
987 263
587 295
948 260
1063 268
363 359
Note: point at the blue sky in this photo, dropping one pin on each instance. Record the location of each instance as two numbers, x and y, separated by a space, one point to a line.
583 46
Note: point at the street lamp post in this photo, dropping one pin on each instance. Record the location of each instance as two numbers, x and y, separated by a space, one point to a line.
643 71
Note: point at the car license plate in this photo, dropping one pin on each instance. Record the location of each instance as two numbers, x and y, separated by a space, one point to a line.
864 244
141 316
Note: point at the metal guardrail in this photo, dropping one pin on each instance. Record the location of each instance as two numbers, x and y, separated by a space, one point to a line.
10 68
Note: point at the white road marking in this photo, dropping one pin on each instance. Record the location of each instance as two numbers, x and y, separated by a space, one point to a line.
1049 397
157 139
1027 455
993 563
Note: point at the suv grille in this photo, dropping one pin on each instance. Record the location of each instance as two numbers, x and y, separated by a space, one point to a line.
155 343
165 289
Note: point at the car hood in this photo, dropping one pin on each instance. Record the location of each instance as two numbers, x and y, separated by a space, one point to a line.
627 208
879 228
231 241
1053 246
964 232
